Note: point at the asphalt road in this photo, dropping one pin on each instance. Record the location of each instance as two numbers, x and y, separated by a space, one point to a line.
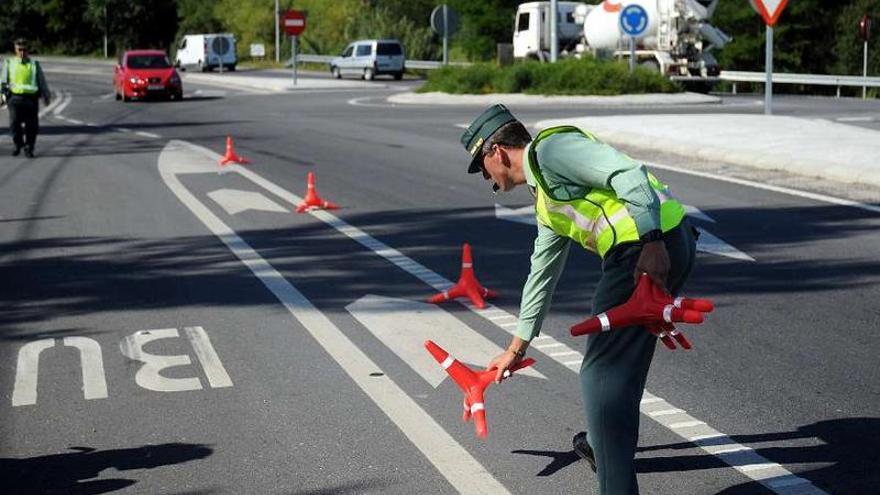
168 329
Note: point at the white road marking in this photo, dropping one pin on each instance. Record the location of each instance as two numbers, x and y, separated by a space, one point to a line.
52 104
707 243
405 325
92 363
396 257
235 201
455 463
693 211
778 189
855 119
27 371
148 375
74 121
66 99
525 214
147 134
214 370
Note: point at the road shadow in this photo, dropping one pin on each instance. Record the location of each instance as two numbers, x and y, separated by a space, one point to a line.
72 473
845 448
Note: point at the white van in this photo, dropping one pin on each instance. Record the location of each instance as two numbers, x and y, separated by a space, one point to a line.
206 51
370 58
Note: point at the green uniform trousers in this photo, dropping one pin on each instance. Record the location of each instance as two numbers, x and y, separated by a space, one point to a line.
616 363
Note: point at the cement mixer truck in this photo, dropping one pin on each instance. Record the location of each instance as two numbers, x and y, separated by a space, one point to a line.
677 42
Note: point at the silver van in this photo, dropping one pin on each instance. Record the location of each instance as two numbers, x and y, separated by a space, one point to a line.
370 58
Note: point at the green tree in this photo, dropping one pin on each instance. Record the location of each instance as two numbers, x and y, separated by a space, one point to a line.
849 46
195 17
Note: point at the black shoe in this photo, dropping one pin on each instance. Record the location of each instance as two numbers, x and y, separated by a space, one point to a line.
16 151
29 152
583 450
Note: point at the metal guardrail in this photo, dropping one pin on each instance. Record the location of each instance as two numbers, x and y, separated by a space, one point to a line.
790 78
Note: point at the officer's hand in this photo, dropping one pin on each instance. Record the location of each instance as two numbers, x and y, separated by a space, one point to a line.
46 101
501 363
654 261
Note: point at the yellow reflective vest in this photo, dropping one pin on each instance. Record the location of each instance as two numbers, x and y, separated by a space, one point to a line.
22 77
599 221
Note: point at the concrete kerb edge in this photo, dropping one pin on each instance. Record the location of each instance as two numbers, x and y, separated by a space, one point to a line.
642 100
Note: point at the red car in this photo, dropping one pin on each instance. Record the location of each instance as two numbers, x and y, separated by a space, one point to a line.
145 73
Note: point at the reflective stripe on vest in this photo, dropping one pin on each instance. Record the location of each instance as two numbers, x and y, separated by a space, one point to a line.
599 221
22 77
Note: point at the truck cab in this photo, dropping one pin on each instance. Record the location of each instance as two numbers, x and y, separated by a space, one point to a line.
531 31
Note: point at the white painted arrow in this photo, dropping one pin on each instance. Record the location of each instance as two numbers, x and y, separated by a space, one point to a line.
404 325
236 201
712 244
525 215
708 242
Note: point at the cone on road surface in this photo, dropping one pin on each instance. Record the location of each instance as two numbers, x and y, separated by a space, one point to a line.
231 156
472 383
467 284
312 201
653 308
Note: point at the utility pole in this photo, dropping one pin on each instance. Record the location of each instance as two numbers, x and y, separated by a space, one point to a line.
277 35
105 28
554 34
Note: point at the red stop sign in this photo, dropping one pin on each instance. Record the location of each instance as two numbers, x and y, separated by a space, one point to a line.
293 22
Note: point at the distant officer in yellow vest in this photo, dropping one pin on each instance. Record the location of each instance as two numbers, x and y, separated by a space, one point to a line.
587 192
23 83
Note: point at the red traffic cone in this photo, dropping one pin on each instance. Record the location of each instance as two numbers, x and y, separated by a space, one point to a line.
231 156
473 384
648 306
312 201
467 284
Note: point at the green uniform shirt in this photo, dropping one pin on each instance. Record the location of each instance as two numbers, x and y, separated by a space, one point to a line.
571 165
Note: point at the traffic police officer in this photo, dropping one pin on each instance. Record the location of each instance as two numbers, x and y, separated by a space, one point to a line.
23 83
588 192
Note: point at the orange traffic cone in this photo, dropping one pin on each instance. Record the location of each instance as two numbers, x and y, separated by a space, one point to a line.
472 383
467 284
312 201
231 156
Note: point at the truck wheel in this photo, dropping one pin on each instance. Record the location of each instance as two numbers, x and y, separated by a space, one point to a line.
334 71
231 68
398 76
369 74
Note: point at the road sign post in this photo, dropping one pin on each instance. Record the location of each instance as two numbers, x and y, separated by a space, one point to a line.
770 10
444 21
865 34
294 24
633 22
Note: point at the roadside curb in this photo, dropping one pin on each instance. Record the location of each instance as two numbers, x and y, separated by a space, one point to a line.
650 99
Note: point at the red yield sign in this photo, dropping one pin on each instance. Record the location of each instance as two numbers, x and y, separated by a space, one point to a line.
293 22
769 9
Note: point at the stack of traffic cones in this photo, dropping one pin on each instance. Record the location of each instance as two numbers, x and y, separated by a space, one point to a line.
652 308
473 384
231 156
467 284
312 201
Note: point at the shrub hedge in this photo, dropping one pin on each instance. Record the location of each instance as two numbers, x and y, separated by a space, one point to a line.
586 76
